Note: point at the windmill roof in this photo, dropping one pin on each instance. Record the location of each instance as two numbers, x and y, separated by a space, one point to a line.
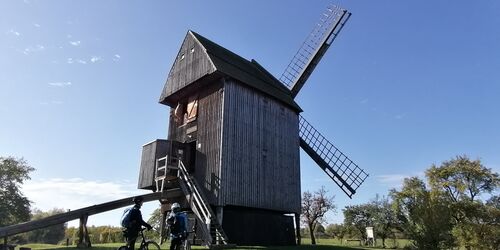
248 72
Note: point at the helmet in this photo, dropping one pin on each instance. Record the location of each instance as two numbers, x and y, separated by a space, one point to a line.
137 199
175 207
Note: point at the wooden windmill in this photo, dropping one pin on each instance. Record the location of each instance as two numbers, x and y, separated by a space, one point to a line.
234 137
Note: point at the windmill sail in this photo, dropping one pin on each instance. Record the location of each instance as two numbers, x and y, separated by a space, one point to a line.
344 172
313 48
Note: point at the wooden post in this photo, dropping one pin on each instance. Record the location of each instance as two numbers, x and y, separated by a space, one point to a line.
84 233
219 213
297 228
162 226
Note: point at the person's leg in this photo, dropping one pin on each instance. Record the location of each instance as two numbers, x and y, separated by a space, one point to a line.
131 241
178 244
131 244
175 244
172 244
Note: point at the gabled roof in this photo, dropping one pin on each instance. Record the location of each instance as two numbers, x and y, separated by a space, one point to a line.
250 73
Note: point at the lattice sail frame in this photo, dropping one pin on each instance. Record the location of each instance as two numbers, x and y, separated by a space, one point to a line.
344 172
315 45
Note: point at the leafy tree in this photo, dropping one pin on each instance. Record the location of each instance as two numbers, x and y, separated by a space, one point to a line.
314 208
359 217
336 231
319 231
14 206
50 235
423 215
463 181
385 219
155 221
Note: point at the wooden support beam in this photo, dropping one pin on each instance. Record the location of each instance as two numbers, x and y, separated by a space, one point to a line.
297 228
83 233
162 227
76 214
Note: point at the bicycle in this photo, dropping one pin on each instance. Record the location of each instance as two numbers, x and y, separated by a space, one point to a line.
186 242
146 244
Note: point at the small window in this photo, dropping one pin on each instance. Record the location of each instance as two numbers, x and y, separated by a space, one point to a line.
192 109
182 56
192 50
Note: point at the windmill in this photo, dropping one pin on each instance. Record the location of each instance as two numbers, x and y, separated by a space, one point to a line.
234 137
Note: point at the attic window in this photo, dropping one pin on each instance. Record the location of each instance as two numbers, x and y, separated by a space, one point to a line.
182 56
192 50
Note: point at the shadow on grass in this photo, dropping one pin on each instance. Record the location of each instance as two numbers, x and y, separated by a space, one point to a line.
302 247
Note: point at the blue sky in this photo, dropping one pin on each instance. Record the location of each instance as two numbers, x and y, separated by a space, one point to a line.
407 84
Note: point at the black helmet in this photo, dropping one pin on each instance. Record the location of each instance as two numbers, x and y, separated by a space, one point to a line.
137 199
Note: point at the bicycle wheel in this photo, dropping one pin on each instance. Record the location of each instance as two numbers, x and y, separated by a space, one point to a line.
123 248
150 245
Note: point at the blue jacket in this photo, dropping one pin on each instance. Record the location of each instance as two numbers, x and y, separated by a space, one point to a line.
178 225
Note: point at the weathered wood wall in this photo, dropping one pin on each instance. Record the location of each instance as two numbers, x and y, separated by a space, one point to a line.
208 138
150 152
260 227
260 151
190 64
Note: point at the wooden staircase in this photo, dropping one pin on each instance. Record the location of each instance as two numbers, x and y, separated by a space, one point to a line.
169 176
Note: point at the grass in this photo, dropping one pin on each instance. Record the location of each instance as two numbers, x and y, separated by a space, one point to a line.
322 244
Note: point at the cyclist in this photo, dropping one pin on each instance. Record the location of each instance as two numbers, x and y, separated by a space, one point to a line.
136 221
177 221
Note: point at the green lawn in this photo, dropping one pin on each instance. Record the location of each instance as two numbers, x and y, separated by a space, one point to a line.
322 244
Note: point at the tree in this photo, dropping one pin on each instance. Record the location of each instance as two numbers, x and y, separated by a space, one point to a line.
314 208
336 231
50 235
319 231
359 217
155 221
463 181
423 215
14 206
385 219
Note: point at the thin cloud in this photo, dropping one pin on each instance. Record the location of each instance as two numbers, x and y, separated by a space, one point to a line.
116 58
33 49
75 43
364 101
399 116
51 102
75 193
70 60
396 180
60 84
36 25
95 59
13 32
82 61
392 180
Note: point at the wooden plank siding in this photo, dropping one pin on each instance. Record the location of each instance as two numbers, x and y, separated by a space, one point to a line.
191 64
260 144
207 170
150 152
208 138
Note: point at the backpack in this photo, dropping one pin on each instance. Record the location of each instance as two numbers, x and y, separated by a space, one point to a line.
125 220
177 223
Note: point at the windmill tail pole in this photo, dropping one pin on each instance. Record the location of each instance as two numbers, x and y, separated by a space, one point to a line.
79 213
